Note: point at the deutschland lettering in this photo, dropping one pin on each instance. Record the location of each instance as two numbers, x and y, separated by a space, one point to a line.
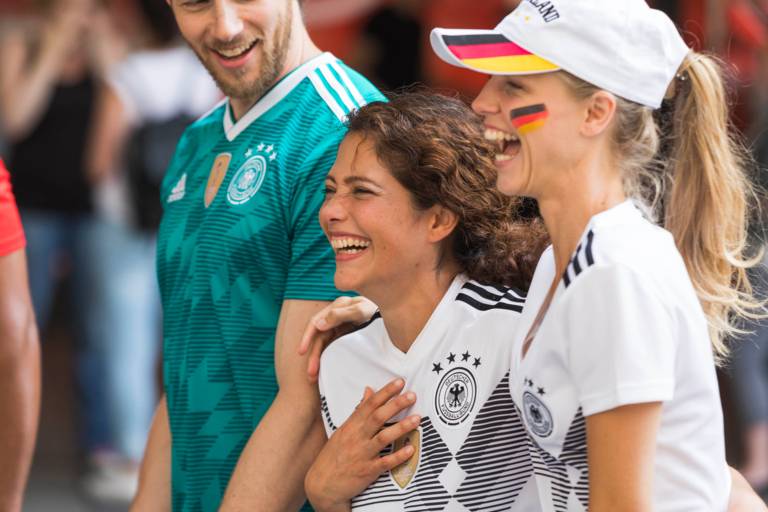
547 10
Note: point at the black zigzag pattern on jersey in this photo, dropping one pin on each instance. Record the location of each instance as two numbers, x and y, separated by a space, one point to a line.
495 455
485 297
327 413
574 455
544 465
425 493
580 261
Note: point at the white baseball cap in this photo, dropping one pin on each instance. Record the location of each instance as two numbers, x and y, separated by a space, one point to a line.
622 46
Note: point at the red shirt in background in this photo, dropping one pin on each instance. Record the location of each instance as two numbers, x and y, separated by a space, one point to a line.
11 233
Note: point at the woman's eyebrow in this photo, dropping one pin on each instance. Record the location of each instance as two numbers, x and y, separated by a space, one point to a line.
359 179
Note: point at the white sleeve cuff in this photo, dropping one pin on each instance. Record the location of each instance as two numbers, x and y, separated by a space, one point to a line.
627 394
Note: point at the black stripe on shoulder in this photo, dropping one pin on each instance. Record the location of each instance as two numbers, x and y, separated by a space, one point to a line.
494 292
590 257
507 289
576 264
483 291
360 327
482 306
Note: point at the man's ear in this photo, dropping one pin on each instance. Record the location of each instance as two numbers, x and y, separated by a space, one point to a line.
601 109
442 223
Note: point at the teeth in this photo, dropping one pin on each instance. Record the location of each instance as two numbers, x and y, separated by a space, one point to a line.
503 158
350 245
496 135
234 52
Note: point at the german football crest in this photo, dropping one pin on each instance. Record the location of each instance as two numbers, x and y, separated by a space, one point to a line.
455 396
218 172
404 473
536 413
456 392
250 176
247 181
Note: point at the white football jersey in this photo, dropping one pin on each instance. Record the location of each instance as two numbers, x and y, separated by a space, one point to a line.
471 447
624 327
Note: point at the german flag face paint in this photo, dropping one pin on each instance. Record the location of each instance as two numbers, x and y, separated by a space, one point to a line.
530 118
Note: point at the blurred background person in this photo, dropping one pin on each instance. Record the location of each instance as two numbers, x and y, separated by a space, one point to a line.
389 50
142 109
50 62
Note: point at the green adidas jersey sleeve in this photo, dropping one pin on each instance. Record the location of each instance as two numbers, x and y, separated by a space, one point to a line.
311 268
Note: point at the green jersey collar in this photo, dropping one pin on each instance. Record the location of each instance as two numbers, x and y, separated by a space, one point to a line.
279 91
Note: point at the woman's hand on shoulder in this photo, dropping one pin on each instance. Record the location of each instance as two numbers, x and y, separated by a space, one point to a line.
352 460
338 318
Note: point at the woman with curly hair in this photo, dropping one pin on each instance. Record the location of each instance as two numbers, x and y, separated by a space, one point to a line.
418 227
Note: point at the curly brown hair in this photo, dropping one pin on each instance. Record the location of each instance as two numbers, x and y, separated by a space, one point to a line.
434 146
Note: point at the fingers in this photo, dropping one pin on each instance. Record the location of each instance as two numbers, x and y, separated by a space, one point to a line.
354 310
381 397
368 393
389 410
311 331
325 320
391 461
327 324
391 434
313 364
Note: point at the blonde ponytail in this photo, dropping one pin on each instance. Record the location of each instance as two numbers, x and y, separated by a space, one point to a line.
686 166
707 206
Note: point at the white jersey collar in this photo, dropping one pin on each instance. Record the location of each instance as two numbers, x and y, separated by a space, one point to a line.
273 97
434 329
622 213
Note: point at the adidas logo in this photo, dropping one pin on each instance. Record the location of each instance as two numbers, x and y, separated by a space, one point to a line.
179 190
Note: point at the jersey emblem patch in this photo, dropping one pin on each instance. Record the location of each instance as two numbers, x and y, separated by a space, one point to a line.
455 396
250 176
404 473
537 415
179 190
218 172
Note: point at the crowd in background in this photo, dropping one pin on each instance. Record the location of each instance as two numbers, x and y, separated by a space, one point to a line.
84 84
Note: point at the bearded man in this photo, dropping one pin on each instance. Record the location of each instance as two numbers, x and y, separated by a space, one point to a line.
243 264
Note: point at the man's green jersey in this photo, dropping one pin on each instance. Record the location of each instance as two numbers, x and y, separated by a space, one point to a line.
239 236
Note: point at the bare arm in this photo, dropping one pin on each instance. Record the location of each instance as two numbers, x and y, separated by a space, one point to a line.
19 380
27 80
108 135
270 473
154 494
743 497
622 483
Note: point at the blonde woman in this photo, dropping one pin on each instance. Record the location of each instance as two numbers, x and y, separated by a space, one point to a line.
614 362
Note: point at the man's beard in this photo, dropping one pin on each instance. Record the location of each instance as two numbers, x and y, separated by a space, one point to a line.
273 56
